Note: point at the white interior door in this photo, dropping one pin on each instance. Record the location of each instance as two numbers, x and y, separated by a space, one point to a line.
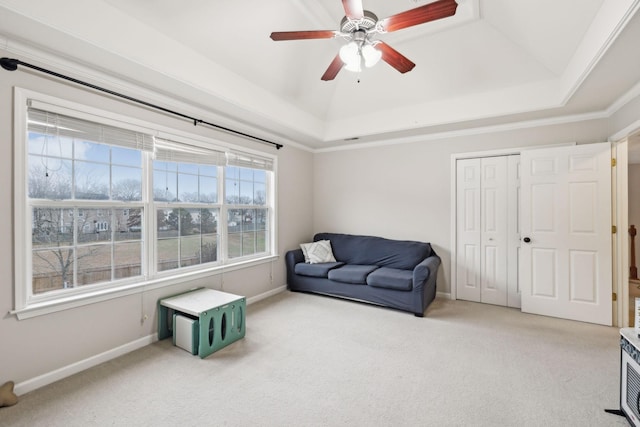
482 229
565 264
513 231
493 234
468 229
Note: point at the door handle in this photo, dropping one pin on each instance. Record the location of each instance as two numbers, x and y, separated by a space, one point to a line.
527 240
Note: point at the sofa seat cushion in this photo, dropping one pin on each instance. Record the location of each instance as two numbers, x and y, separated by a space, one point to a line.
356 274
316 270
391 278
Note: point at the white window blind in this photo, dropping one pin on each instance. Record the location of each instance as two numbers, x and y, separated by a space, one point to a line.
246 160
58 125
174 151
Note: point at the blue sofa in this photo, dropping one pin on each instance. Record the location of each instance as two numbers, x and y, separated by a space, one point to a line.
393 273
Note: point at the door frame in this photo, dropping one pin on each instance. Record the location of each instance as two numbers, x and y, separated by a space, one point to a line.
620 215
454 206
619 141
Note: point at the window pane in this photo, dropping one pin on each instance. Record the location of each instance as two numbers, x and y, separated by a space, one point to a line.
209 248
209 221
128 259
94 264
246 174
50 146
247 232
207 170
49 178
168 250
246 193
260 194
126 157
165 185
208 190
94 225
127 183
232 191
248 243
188 168
52 269
52 227
168 244
261 241
232 172
187 188
260 176
234 245
91 181
84 150
128 224
190 250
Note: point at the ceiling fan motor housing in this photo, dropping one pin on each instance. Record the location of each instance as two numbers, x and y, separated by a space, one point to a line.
366 23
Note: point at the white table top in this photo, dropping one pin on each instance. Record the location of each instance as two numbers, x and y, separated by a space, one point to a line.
631 336
199 301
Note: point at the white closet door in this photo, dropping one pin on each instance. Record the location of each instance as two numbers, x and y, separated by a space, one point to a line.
468 229
493 234
513 231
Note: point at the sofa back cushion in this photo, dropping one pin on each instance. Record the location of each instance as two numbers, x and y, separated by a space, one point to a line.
371 250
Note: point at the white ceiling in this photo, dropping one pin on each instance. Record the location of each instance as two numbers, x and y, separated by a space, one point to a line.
493 62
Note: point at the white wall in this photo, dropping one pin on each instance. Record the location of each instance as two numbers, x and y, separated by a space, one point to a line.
35 347
403 191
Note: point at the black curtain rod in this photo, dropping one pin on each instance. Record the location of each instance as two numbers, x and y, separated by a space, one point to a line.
12 65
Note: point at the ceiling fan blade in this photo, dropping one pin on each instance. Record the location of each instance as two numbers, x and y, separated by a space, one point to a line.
333 70
395 58
429 12
353 9
303 35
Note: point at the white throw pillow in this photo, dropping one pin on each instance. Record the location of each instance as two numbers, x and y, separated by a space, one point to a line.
317 252
304 246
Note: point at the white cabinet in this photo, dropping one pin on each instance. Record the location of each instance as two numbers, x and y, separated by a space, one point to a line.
487 230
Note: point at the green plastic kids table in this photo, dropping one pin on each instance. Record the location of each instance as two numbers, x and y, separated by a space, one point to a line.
214 319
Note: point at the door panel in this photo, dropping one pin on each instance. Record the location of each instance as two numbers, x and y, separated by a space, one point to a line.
565 269
513 230
468 229
493 237
544 278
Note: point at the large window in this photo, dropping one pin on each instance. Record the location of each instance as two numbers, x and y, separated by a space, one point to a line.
108 205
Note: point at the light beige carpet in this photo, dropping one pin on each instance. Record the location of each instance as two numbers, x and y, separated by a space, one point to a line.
310 360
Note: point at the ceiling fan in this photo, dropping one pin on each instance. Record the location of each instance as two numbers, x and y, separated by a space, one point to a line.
359 26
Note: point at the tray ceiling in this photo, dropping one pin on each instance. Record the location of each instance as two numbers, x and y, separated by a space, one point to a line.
494 61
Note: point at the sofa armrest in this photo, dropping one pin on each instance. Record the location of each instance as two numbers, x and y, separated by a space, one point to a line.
294 256
423 271
291 258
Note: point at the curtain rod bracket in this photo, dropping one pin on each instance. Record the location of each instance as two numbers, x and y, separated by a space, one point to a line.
10 64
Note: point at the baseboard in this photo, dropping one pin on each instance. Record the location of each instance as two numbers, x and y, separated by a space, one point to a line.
445 295
74 368
266 295
66 371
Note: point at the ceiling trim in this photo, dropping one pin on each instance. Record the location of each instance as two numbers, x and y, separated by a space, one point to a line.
473 131
597 42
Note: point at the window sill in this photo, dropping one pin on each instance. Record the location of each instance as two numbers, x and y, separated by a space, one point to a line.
61 304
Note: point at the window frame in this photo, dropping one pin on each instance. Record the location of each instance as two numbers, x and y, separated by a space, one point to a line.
27 305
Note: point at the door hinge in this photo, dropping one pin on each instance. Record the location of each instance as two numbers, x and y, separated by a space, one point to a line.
614 229
613 162
614 297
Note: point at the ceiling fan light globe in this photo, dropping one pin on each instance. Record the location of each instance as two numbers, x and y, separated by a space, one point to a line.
371 55
354 66
349 53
